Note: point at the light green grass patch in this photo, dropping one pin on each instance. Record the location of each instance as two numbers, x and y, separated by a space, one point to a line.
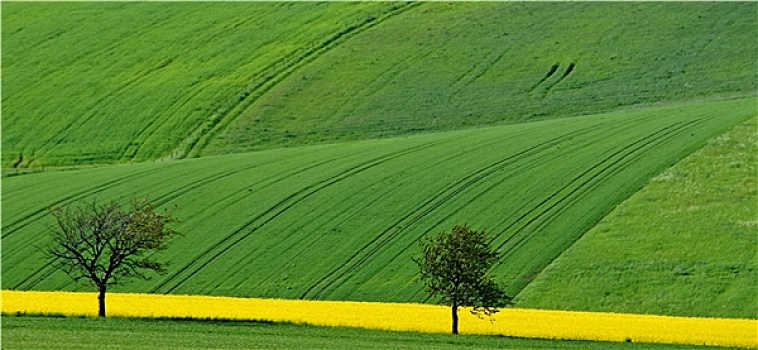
684 245
48 333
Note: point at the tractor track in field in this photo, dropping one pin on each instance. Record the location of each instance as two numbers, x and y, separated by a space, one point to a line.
236 105
522 166
565 74
609 166
368 204
550 74
148 131
377 243
40 274
252 226
546 222
45 271
111 95
15 226
547 76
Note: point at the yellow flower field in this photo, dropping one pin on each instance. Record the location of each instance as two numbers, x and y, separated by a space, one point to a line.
402 317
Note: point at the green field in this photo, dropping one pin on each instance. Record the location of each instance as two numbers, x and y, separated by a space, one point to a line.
343 221
114 82
310 146
42 333
103 82
684 245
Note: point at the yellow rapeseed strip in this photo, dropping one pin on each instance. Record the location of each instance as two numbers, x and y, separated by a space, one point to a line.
401 317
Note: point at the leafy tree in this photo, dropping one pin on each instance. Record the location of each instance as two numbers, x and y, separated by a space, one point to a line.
454 267
106 245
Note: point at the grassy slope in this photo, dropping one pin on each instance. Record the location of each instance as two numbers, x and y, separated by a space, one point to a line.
684 245
454 65
116 333
104 82
342 221
113 82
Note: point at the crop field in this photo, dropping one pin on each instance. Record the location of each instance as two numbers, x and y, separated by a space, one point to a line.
46 333
455 65
310 146
685 244
343 221
103 82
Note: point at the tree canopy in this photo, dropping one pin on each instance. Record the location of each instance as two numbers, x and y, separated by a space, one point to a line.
454 268
105 245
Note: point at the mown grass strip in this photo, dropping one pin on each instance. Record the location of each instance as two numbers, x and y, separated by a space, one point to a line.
35 332
400 317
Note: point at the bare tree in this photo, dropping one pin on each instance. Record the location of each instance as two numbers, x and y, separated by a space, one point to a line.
105 245
454 267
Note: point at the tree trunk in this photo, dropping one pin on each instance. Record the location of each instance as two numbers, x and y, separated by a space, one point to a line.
101 302
455 317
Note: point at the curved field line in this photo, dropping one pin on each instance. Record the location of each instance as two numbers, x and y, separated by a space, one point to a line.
18 224
32 280
477 71
290 64
428 206
565 74
346 218
35 278
605 168
577 193
472 179
228 242
306 247
60 136
156 124
160 200
279 178
523 165
99 105
547 76
302 194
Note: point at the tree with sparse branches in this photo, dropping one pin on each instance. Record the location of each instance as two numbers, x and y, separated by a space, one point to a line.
105 245
454 267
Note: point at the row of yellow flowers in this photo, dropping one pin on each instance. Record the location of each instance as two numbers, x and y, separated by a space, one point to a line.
400 316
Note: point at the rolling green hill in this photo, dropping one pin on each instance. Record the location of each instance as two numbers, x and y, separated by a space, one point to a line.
113 82
105 82
342 221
